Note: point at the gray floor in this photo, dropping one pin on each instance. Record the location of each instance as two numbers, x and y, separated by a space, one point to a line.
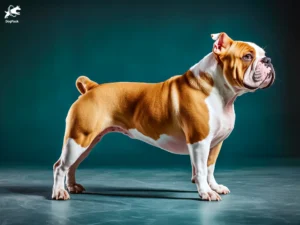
151 196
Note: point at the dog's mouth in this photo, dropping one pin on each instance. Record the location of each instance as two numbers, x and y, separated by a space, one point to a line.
270 78
262 76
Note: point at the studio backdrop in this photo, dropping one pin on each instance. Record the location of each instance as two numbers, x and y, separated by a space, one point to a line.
54 43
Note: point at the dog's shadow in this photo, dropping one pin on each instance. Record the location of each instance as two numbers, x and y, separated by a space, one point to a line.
136 192
140 192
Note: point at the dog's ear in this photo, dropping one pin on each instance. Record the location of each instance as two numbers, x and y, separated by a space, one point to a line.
222 43
84 84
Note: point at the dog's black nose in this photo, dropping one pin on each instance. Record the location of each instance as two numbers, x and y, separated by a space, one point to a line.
266 60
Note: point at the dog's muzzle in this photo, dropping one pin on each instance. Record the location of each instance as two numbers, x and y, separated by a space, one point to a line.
270 76
263 75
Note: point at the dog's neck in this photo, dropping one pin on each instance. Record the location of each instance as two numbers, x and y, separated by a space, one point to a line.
210 65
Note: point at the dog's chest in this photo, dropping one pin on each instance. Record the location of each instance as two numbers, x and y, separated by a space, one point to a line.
222 118
223 126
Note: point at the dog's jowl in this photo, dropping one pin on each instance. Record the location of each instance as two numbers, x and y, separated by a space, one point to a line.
190 114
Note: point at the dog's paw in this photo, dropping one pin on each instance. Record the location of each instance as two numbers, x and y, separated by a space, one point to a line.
210 196
75 188
221 189
60 194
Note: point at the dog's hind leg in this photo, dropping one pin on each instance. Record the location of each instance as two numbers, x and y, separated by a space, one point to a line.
74 151
84 125
70 153
72 186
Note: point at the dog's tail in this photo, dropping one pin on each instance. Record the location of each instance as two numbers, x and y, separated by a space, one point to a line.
84 84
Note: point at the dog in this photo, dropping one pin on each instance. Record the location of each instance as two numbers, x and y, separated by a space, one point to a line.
189 114
12 11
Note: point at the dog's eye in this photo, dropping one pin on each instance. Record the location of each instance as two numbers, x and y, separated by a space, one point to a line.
248 57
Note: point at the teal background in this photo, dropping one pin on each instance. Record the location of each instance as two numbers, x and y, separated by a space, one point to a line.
54 43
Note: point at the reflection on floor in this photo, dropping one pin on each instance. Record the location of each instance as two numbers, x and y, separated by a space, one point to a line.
151 196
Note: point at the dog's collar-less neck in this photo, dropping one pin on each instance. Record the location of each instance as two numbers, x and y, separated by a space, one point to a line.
209 65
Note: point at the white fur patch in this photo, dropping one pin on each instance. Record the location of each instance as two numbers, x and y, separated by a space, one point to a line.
215 36
175 100
71 152
165 142
199 154
222 117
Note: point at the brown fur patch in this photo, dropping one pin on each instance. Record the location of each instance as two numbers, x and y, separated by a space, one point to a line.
232 64
194 112
213 154
204 83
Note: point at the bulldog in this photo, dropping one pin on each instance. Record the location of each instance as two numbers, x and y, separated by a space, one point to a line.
188 114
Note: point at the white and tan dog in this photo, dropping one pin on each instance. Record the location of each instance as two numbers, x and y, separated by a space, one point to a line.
188 114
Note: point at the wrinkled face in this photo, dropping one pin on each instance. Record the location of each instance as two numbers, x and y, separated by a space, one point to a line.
244 64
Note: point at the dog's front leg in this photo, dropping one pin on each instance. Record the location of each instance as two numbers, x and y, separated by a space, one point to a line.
212 159
199 152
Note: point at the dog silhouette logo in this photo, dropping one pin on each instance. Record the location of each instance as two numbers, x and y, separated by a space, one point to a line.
12 11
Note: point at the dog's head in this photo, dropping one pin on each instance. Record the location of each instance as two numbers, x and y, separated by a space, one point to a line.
244 64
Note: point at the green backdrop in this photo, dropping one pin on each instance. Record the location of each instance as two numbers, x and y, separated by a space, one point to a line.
54 43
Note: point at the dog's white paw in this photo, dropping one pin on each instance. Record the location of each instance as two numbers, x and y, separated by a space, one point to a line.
210 196
60 194
221 189
75 188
